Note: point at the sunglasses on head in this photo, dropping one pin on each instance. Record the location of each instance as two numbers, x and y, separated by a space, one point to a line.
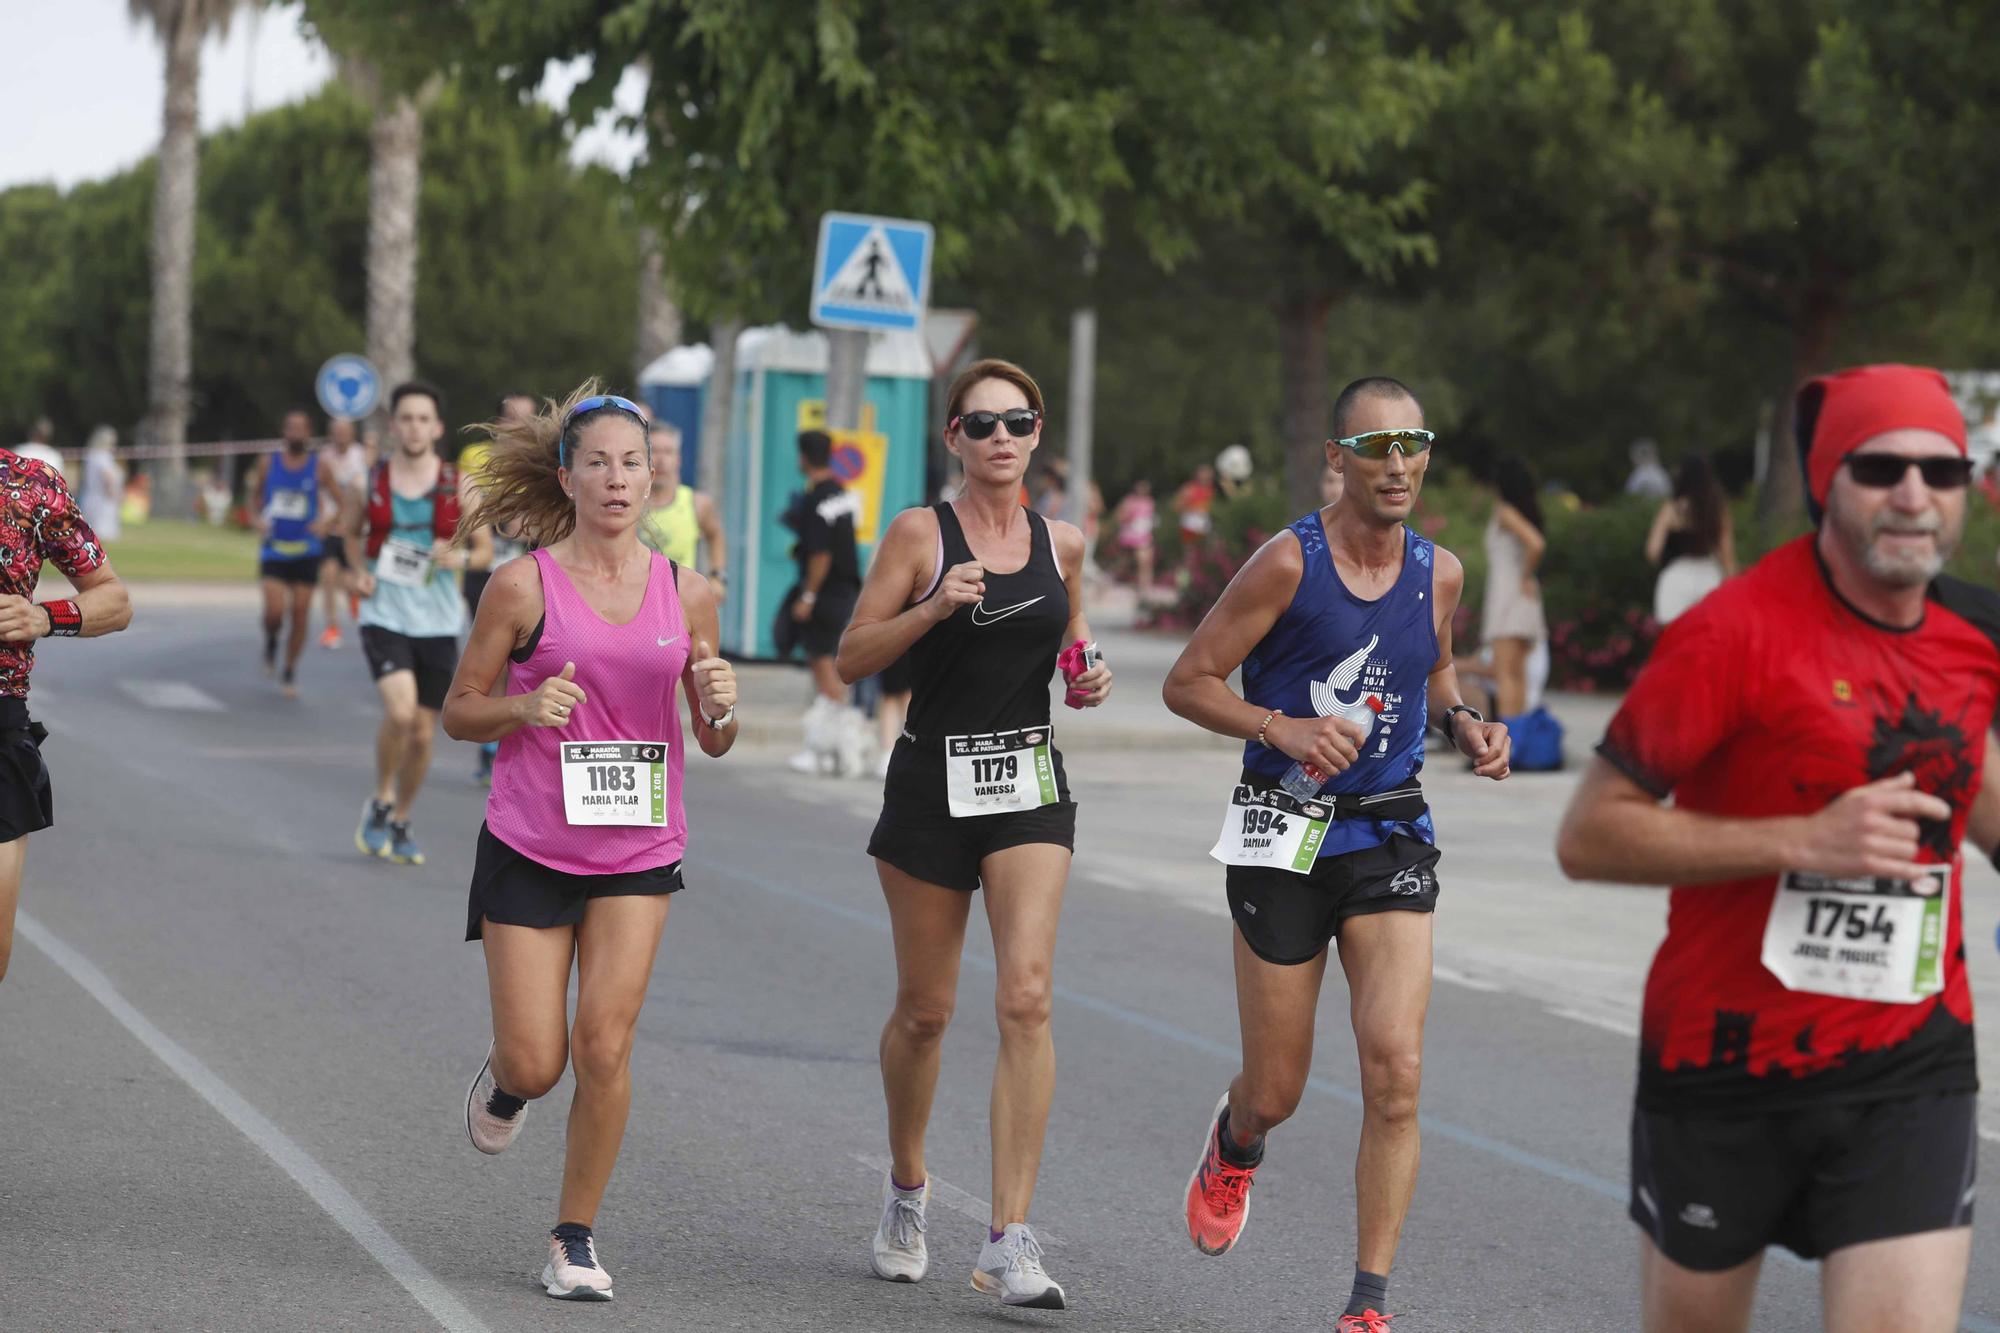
1882 471
1019 421
1378 443
594 403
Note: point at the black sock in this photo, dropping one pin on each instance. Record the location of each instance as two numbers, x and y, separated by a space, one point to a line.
270 645
504 1104
1371 1292
1245 1157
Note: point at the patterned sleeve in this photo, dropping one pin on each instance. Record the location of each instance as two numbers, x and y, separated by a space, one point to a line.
61 535
1688 699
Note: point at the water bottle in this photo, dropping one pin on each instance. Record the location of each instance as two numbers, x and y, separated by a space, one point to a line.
1302 781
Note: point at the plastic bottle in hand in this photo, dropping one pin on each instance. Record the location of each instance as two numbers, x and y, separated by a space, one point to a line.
1302 781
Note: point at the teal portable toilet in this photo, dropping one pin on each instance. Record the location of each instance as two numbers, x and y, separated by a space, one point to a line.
673 387
781 390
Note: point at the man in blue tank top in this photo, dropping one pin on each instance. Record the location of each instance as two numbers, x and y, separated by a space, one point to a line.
293 494
1341 625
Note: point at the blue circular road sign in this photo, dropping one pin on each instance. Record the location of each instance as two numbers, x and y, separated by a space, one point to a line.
348 386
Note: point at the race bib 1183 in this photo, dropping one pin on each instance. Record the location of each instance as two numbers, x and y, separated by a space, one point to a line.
614 782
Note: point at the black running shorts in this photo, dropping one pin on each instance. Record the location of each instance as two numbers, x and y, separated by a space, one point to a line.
27 803
1714 1190
918 835
1288 918
305 570
433 660
334 547
509 889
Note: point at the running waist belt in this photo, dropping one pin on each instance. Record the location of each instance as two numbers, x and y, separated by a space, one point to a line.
1404 805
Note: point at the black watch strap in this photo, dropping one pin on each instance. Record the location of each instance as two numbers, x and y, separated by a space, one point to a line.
1444 718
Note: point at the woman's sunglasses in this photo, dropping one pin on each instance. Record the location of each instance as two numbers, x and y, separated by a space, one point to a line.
1378 443
1880 472
1019 421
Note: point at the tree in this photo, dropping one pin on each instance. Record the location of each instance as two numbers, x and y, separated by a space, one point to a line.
181 25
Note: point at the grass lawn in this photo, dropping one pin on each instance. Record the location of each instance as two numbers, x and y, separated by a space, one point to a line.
168 551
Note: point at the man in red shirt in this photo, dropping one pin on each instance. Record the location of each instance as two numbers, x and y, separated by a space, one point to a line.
1807 1070
38 522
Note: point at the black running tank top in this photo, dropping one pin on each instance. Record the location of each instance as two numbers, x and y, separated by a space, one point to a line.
988 667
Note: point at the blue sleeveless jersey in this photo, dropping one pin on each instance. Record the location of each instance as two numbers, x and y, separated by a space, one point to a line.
291 538
1331 654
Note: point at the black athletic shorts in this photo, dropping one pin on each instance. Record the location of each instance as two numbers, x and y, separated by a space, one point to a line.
303 570
1288 918
27 804
509 889
918 835
818 636
334 548
474 585
433 660
1714 1190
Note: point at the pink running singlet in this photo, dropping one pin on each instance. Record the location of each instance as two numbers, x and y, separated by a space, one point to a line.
631 674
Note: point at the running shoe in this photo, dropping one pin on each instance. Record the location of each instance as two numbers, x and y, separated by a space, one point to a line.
373 835
1368 1321
900 1254
330 637
403 849
483 775
1218 1193
572 1272
1011 1268
489 1130
291 684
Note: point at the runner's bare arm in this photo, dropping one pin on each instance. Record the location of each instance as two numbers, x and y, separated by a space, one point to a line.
1532 542
354 550
101 601
884 624
509 610
329 485
255 496
1069 553
709 519
1982 824
1198 686
1617 831
1486 744
709 681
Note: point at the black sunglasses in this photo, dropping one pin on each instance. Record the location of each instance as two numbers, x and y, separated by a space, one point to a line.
1019 421
1882 471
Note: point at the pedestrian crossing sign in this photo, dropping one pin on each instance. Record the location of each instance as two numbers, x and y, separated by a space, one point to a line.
871 273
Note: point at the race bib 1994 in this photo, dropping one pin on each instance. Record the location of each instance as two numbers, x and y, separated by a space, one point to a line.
1270 828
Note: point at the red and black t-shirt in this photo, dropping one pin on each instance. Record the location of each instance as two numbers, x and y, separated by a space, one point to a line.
1771 697
38 522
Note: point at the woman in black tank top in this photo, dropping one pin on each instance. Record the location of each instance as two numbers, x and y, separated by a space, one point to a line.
976 797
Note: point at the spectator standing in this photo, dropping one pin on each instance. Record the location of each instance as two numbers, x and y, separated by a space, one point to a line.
38 447
1511 619
103 484
1135 517
1192 504
1690 541
1649 476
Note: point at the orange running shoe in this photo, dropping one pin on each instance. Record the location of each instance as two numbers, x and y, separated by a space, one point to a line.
1218 1194
330 637
1368 1321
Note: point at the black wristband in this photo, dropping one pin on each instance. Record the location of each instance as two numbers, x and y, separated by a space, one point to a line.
1444 719
1994 856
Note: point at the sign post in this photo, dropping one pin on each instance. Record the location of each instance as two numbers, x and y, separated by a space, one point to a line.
870 274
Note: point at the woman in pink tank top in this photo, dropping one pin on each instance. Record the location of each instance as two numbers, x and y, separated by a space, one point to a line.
584 827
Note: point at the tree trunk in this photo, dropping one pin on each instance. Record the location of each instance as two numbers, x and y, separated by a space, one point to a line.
1302 366
712 469
659 317
1782 497
175 192
397 143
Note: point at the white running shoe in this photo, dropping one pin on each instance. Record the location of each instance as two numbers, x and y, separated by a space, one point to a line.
900 1254
572 1272
853 743
489 1133
1011 1268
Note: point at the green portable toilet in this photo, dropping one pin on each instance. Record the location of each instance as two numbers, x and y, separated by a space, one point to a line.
781 390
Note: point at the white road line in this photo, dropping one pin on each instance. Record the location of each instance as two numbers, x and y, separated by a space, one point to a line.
951 1196
310 1176
175 694
1457 978
1609 1022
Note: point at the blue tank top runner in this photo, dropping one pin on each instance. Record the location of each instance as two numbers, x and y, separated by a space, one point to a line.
291 500
1332 654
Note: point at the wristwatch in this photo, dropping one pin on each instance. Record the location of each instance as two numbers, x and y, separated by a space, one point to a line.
1444 718
718 723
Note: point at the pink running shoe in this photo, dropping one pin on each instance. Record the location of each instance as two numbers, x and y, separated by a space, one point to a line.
490 1132
572 1272
1368 1321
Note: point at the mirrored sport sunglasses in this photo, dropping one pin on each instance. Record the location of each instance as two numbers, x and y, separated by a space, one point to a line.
592 404
1019 421
1883 471
1378 443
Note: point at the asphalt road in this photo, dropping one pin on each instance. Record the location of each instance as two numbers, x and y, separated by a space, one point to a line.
233 1054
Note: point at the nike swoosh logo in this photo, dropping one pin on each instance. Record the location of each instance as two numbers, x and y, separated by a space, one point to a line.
669 642
1003 613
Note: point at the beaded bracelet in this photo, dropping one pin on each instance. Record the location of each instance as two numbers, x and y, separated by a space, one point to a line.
1262 726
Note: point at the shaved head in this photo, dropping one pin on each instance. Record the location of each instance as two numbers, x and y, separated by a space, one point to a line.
1363 390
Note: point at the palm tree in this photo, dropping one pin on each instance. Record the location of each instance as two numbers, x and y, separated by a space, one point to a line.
395 178
181 25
